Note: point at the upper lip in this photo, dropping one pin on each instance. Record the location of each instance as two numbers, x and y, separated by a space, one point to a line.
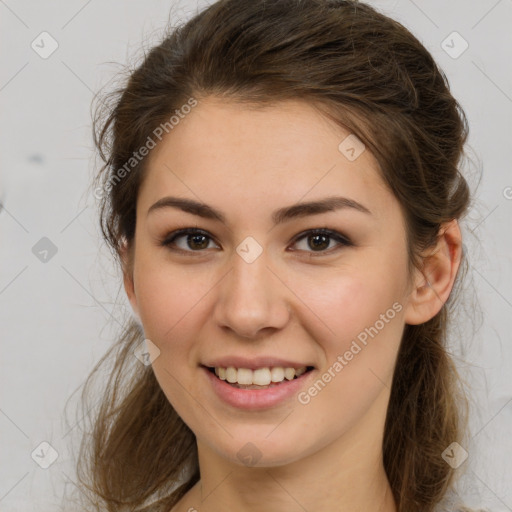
253 364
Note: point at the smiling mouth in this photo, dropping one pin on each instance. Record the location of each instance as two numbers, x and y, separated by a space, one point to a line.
262 378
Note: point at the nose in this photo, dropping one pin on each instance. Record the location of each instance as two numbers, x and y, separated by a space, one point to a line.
252 299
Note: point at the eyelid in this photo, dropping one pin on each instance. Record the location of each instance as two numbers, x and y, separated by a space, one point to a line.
170 237
340 238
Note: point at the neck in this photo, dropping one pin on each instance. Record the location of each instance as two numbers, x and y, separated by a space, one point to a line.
277 489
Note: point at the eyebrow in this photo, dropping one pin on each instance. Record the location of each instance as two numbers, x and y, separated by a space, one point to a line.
279 216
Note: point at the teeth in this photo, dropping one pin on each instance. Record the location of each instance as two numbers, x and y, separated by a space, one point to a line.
289 373
277 374
244 376
259 377
300 371
231 375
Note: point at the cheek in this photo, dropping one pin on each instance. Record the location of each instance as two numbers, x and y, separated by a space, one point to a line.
366 321
360 332
169 302
351 299
166 297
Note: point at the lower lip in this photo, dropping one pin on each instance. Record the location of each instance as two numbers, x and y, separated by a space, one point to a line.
252 399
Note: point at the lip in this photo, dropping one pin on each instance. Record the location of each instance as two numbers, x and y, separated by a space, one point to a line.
256 399
254 364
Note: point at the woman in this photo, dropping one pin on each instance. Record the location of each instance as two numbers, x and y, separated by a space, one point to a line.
281 189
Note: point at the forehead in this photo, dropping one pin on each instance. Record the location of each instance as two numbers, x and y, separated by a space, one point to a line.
277 155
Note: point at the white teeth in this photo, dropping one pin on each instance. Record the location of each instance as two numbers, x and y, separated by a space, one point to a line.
289 373
231 375
260 377
244 376
277 374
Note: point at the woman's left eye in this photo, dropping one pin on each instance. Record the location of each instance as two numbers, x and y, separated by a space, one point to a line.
196 240
321 239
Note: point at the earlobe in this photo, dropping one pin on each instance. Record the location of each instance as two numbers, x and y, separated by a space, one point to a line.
130 292
434 283
126 254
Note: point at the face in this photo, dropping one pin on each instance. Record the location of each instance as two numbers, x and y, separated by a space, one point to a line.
255 289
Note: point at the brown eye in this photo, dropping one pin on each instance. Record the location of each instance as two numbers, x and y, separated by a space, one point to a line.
319 240
195 240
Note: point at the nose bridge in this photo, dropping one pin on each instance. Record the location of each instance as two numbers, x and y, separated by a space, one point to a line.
251 298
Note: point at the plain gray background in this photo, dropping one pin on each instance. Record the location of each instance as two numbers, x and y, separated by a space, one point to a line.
59 315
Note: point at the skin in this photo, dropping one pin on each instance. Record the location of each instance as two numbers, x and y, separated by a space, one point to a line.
209 302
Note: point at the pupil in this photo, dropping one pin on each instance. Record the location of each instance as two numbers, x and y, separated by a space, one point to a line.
321 245
194 237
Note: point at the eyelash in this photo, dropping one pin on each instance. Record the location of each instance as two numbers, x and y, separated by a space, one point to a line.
343 241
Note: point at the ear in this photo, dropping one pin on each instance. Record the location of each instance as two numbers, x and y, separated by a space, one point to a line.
433 284
126 253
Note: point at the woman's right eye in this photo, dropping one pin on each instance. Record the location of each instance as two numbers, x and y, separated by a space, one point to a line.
195 240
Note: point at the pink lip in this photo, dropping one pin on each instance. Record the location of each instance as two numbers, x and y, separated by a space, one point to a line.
253 399
253 364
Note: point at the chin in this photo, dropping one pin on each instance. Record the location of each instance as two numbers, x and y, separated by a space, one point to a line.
258 450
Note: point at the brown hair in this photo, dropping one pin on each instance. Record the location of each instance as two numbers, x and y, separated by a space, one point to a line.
369 74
